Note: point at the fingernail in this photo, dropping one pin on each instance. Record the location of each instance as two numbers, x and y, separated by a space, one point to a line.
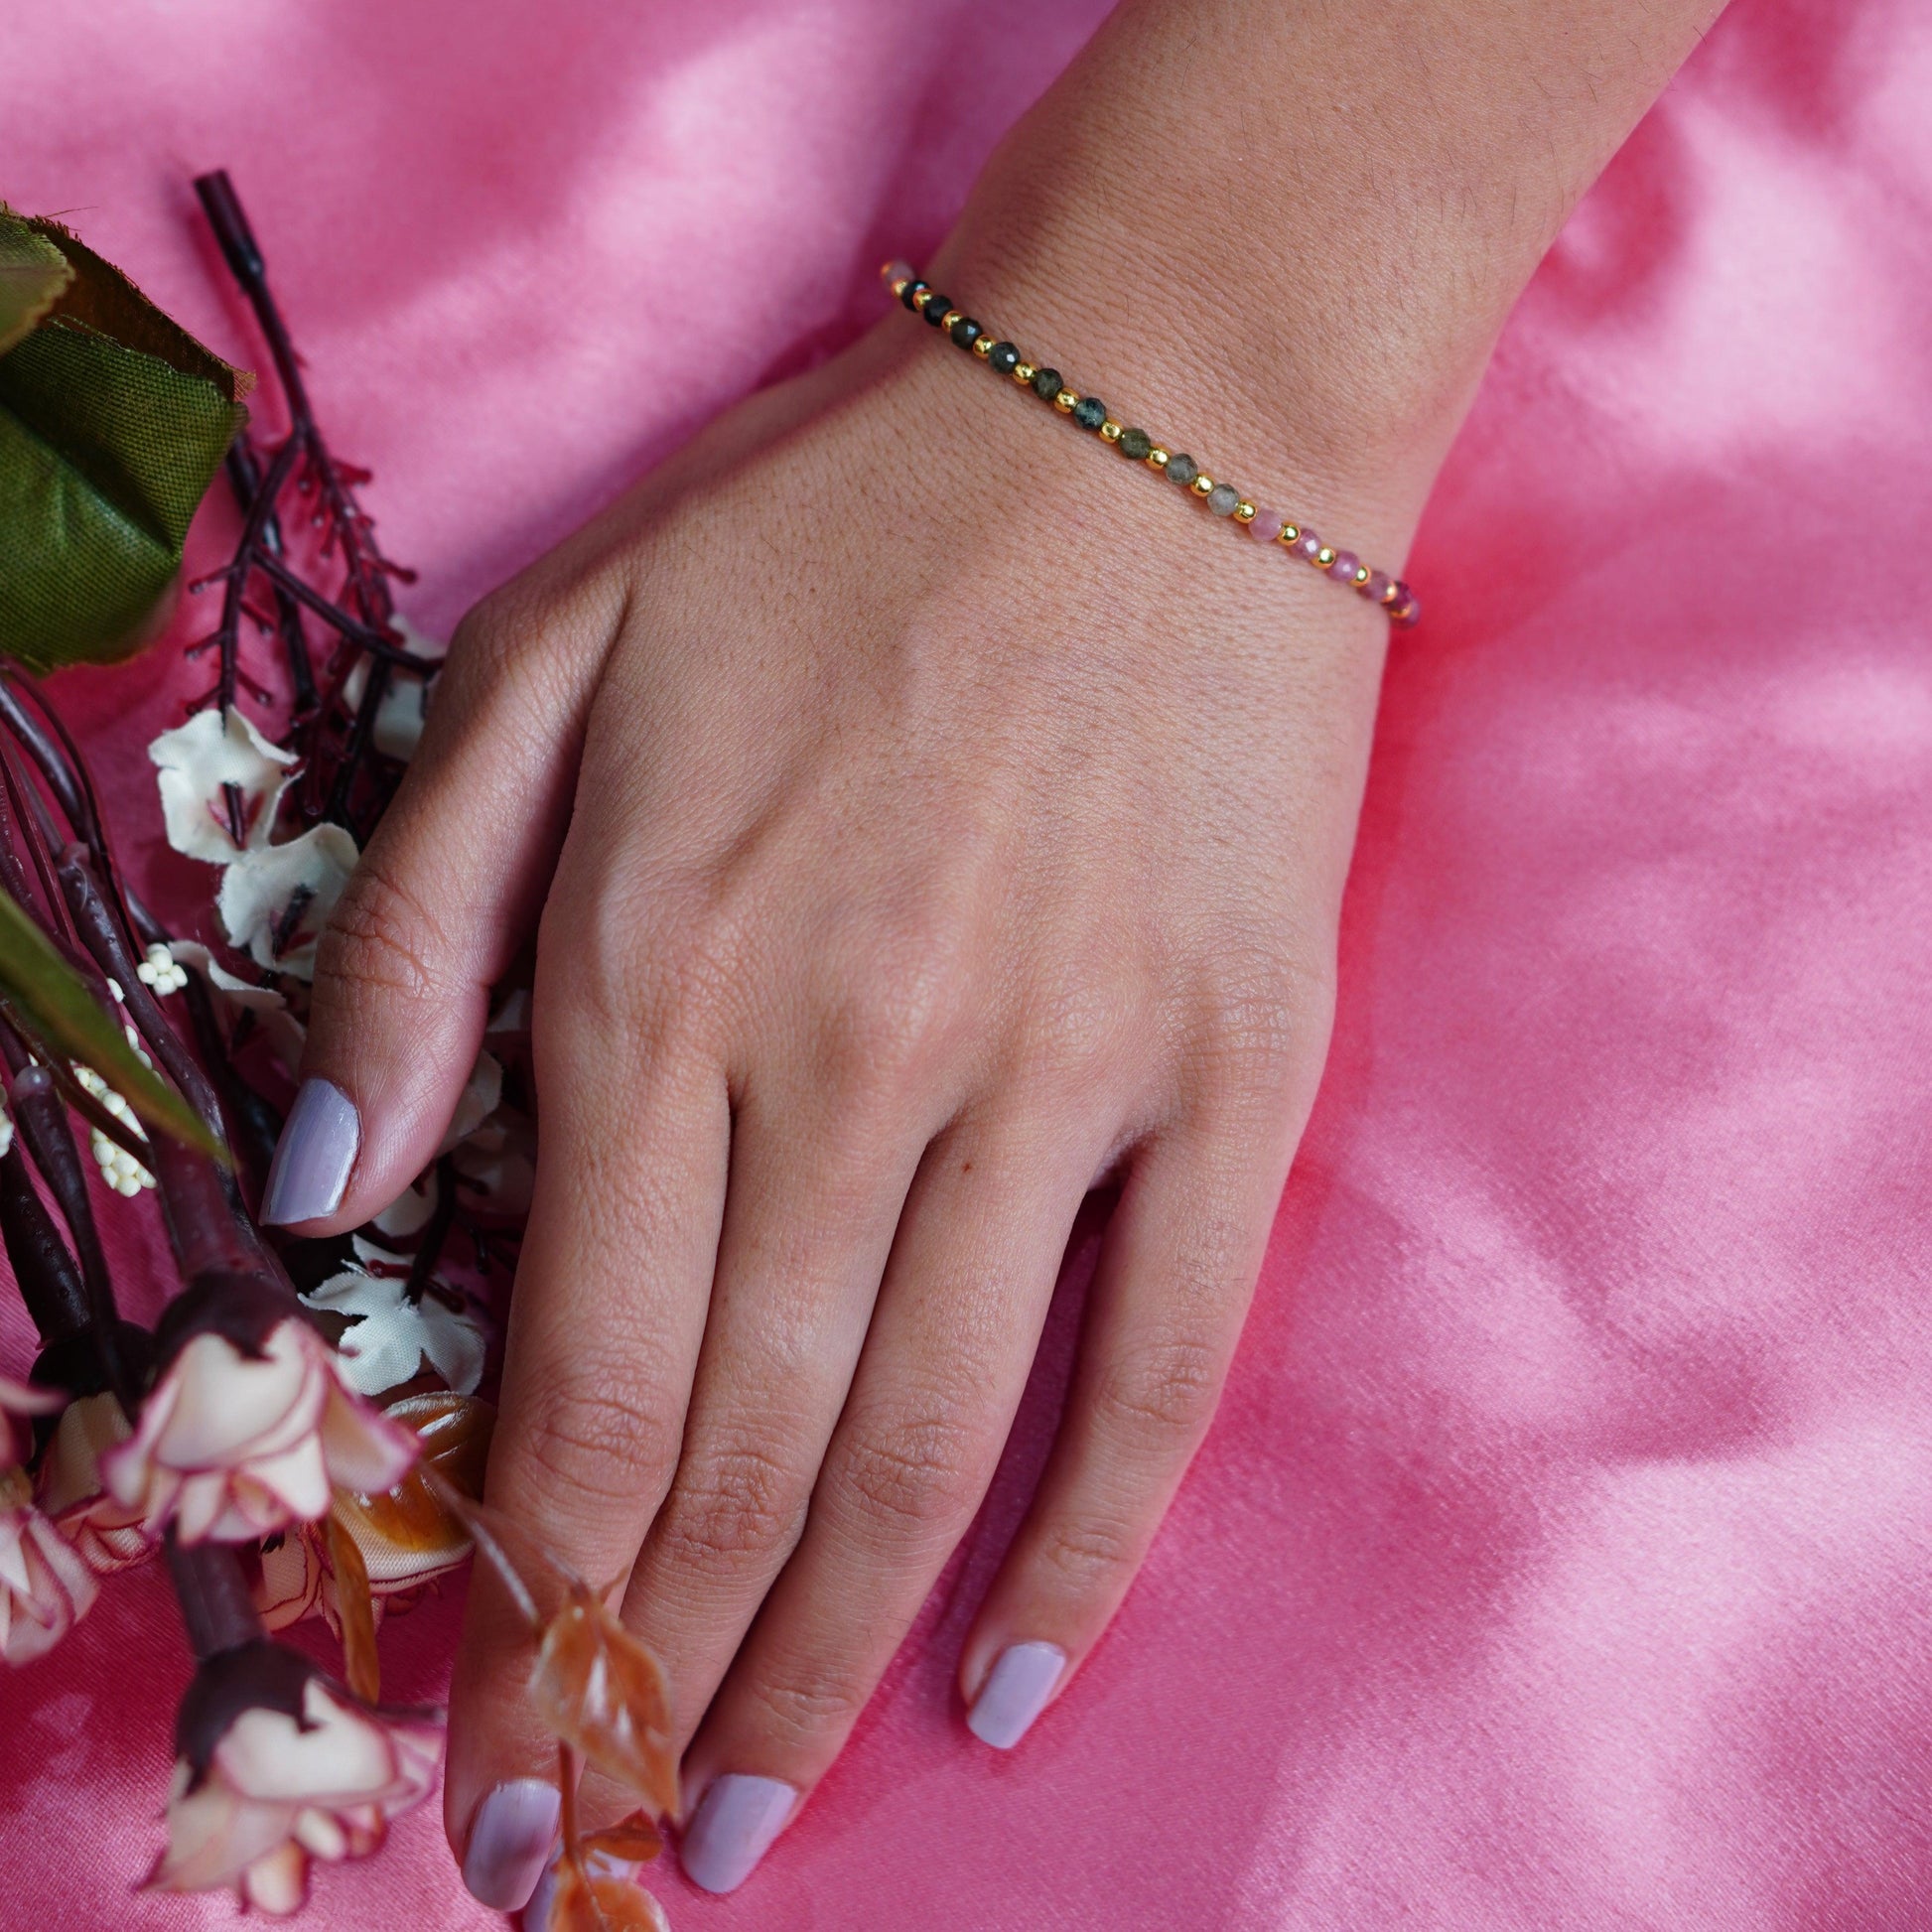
314 1156
510 1841
600 1864
735 1821
1014 1692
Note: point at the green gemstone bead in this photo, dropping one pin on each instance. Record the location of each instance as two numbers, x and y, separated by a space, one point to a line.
1222 498
1181 469
1004 358
1047 383
1136 442
1089 412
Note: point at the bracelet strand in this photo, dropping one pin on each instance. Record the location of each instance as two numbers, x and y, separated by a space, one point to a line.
1089 413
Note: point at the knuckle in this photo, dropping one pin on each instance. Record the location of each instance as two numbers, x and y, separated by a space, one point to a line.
1160 1395
902 1009
649 972
809 1701
601 1439
383 934
914 1475
733 1508
1087 1551
1265 1017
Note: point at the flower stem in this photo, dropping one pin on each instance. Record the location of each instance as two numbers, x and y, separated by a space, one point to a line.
212 1592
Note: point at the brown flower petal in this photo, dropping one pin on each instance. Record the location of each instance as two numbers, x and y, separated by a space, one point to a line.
604 1693
362 1665
633 1841
582 1903
408 1533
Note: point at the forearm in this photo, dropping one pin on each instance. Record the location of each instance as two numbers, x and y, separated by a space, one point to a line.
1307 223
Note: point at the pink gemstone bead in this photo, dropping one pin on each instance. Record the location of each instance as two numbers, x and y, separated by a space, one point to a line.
1267 525
1307 545
897 272
1379 584
1344 567
1406 609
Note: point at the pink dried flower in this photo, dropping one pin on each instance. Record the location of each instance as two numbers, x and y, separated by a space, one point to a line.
275 1767
45 1586
109 1535
249 1422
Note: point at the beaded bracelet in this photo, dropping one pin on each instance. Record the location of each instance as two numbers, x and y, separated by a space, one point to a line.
1221 499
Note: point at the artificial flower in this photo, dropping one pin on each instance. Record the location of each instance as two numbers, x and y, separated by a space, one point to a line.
405 709
250 1419
109 1534
274 899
161 972
45 1586
390 1337
496 1165
482 1093
218 777
266 1007
278 1768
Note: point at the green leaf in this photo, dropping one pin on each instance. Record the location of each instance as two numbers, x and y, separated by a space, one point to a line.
33 272
113 421
51 1002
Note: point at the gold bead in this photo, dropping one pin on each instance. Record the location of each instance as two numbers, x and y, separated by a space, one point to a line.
1066 403
1362 575
950 316
982 346
1023 373
1202 484
1111 431
1291 533
900 287
1157 458
1244 512
1393 595
1324 557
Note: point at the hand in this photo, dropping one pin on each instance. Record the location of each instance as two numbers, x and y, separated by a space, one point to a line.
932 817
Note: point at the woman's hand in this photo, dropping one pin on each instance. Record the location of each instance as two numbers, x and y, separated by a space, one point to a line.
932 817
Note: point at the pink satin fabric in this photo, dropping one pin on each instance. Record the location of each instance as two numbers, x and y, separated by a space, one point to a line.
1561 1555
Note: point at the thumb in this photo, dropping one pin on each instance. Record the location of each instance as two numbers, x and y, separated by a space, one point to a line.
435 911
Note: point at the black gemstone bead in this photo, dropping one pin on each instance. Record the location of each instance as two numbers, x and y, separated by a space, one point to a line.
1047 383
1183 469
966 332
1136 442
1089 412
913 294
935 307
1005 357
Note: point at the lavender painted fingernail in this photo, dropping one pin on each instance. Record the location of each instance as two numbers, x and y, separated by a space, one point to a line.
1014 1692
314 1156
733 1828
509 1843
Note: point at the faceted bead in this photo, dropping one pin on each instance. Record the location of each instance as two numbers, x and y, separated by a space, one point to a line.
935 307
1406 609
1089 412
1344 567
913 294
897 272
1378 587
1047 383
1308 546
1136 442
1221 499
1181 469
1004 358
1267 525
966 332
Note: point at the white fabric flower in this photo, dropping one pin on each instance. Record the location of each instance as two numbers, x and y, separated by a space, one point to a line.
232 1446
481 1093
218 759
275 901
400 717
280 1788
109 1535
497 1162
291 1572
6 1130
390 1337
161 972
284 1032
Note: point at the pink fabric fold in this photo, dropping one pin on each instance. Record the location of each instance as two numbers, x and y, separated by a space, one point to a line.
1560 1556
